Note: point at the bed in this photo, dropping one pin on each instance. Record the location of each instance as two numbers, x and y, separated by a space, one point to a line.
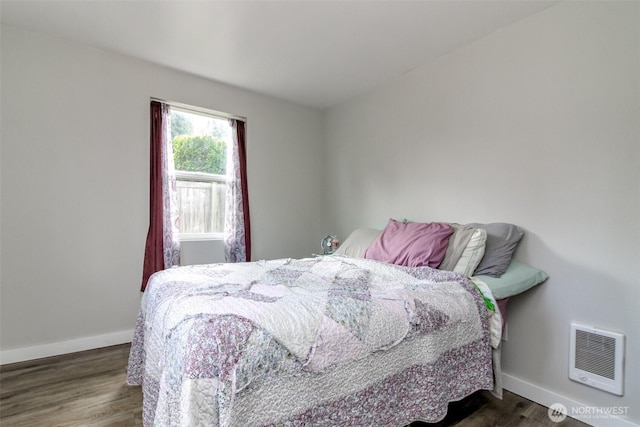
343 339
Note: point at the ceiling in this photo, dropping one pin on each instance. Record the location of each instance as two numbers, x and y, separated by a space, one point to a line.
313 53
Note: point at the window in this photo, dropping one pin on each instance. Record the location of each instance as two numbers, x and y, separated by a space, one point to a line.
195 164
200 143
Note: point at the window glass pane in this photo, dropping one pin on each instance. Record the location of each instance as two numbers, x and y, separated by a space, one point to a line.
200 145
201 206
199 142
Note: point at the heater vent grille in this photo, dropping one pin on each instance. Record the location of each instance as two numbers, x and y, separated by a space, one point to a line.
596 358
596 354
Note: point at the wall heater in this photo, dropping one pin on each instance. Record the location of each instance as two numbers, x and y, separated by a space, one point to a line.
596 358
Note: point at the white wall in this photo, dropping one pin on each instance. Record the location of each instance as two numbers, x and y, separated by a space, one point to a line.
537 125
75 167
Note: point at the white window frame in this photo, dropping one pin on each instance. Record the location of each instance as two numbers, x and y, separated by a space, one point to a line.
198 176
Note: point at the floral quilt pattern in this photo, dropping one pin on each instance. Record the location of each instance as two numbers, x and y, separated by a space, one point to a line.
214 344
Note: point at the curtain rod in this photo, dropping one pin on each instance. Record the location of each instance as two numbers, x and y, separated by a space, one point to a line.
188 107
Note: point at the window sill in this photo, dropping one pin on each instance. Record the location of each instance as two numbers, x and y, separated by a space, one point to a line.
198 237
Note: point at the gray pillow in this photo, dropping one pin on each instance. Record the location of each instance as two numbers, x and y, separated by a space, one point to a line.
502 241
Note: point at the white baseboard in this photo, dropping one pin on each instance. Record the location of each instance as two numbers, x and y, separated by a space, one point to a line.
547 398
64 347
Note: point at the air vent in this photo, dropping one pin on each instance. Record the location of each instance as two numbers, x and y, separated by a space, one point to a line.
596 358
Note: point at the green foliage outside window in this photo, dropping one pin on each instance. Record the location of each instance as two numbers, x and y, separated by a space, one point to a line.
200 153
180 124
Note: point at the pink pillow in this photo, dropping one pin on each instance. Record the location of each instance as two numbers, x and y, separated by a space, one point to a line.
412 244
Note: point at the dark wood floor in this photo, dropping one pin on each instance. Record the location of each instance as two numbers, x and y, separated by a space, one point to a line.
89 389
79 389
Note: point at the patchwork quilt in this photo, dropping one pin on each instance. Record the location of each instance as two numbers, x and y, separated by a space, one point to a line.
319 341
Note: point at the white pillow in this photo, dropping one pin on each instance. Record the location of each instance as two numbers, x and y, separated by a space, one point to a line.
472 254
457 243
358 242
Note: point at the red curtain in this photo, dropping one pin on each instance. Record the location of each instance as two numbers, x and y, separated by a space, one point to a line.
242 154
154 248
